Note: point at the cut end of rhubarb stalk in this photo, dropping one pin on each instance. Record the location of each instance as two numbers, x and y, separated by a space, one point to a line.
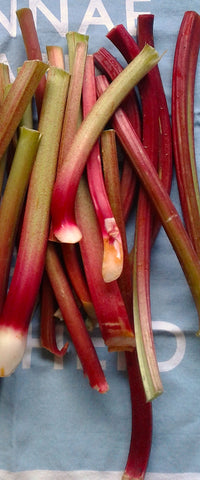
68 233
121 344
113 252
12 347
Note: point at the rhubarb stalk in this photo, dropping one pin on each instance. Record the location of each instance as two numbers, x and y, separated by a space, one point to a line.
183 82
21 297
64 193
165 208
32 46
112 262
17 99
74 321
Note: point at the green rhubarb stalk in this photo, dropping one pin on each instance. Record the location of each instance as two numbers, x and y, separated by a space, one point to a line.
13 199
72 39
4 81
72 111
22 294
63 219
18 98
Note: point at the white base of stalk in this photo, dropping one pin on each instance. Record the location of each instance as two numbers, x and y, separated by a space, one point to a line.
12 347
68 233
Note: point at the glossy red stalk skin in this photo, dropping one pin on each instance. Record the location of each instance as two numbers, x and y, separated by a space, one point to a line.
74 321
107 300
21 297
17 99
163 205
108 65
48 307
165 162
183 82
32 46
141 435
112 263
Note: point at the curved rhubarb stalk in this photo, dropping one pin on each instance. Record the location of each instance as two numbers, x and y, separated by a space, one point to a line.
183 80
32 46
21 297
141 436
64 193
112 262
74 322
108 64
106 297
13 199
17 99
166 210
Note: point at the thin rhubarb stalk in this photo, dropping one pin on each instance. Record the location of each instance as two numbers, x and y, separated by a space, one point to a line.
32 46
112 263
106 297
13 198
4 81
141 436
76 275
74 321
112 184
146 35
48 306
18 98
21 297
183 83
165 208
64 193
55 56
72 110
108 65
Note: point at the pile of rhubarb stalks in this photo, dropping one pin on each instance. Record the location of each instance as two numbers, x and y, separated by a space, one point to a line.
101 144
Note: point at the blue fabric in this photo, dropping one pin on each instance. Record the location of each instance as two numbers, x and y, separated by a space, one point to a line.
50 419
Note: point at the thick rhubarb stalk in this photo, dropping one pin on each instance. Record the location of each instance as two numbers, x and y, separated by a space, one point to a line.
20 301
183 82
17 99
13 199
165 208
64 193
71 118
108 65
145 35
32 46
112 262
55 56
106 297
141 436
74 321
48 306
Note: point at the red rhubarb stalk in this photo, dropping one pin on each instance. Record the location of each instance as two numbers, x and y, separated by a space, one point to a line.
183 82
106 297
13 199
166 210
112 262
64 193
32 46
108 65
21 297
141 436
47 319
74 321
17 99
